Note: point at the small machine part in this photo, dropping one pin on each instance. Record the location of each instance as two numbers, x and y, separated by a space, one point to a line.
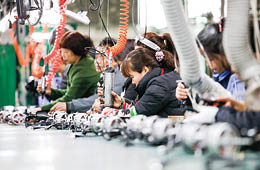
219 138
161 131
69 120
85 124
187 133
59 116
7 116
79 119
17 117
147 125
135 123
38 120
1 116
96 122
223 139
112 127
59 120
93 124
133 128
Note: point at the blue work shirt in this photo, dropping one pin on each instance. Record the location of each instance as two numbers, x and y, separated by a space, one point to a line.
232 83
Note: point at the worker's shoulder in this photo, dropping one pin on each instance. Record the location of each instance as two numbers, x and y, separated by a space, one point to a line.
85 68
167 80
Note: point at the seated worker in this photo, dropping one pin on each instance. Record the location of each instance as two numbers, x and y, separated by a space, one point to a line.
155 89
101 61
234 112
238 114
163 42
64 67
211 39
82 76
58 82
128 89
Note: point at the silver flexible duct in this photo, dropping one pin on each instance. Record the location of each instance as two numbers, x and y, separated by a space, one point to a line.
188 52
239 52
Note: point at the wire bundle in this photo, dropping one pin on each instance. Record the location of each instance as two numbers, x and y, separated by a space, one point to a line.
54 57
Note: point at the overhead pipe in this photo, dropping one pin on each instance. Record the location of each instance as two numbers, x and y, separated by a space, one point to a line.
238 50
188 52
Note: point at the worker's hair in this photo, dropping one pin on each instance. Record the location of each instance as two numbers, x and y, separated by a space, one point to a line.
76 42
53 36
211 38
128 48
137 60
107 41
166 44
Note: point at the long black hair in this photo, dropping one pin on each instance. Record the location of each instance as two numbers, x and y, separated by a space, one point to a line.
211 39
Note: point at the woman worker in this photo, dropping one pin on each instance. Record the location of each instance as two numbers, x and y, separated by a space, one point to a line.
82 75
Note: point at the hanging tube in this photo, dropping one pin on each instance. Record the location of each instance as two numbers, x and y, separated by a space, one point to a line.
120 45
188 52
239 52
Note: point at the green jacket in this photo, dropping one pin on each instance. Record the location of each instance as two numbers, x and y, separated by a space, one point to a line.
82 82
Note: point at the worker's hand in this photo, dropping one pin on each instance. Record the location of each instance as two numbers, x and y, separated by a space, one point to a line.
100 91
230 102
34 110
60 106
47 88
96 106
181 92
116 100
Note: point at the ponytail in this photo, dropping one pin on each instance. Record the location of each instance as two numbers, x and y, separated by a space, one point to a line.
169 46
166 56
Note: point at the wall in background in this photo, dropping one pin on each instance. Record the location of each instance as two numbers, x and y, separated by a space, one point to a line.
7 75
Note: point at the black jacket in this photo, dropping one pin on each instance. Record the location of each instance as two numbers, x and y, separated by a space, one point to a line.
156 94
129 89
243 121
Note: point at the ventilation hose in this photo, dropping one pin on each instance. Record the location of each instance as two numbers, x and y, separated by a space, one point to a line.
188 52
239 52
